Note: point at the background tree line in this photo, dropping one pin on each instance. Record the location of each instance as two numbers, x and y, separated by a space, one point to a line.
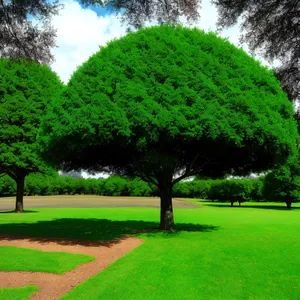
265 188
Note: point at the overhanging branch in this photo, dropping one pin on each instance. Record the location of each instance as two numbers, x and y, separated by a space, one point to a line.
187 170
190 171
149 180
185 175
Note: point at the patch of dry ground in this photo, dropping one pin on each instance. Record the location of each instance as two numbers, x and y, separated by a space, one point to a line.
87 201
53 286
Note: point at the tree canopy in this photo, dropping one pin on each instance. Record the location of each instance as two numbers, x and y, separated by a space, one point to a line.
25 89
170 102
272 28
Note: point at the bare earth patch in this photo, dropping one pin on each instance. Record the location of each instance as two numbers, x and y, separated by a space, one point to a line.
53 286
8 203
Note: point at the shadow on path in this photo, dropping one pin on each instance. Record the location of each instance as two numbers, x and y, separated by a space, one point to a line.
88 232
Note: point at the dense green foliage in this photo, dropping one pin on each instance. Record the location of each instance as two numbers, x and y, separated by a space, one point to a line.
221 253
25 89
170 100
22 293
283 184
39 261
7 186
222 190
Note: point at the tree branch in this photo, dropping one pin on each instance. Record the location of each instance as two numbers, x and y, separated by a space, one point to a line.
149 180
185 175
12 175
188 172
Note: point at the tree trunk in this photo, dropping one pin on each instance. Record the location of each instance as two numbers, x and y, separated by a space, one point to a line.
288 204
231 203
166 206
239 203
20 192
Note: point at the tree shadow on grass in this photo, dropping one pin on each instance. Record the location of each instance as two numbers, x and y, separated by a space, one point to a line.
14 212
273 207
88 232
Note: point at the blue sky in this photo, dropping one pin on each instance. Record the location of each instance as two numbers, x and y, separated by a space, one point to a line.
100 11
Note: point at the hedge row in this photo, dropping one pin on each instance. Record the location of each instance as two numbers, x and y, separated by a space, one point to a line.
37 184
222 190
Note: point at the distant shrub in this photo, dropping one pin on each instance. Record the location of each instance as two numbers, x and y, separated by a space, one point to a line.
138 187
115 186
192 189
236 190
7 186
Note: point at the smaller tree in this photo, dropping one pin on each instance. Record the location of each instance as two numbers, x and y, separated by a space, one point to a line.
25 89
283 184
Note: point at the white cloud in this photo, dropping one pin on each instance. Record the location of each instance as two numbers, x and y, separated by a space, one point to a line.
208 19
85 174
80 32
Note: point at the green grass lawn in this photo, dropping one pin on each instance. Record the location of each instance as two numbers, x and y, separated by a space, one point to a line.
22 293
220 252
39 261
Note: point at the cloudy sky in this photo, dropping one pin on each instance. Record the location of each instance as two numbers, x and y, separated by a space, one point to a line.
81 31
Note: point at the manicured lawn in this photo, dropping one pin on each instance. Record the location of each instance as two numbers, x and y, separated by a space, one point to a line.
22 259
221 252
22 293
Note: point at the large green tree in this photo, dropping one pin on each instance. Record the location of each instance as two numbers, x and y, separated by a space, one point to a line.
167 103
283 184
25 89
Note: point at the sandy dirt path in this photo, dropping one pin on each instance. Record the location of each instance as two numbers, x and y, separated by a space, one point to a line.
53 286
8 203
